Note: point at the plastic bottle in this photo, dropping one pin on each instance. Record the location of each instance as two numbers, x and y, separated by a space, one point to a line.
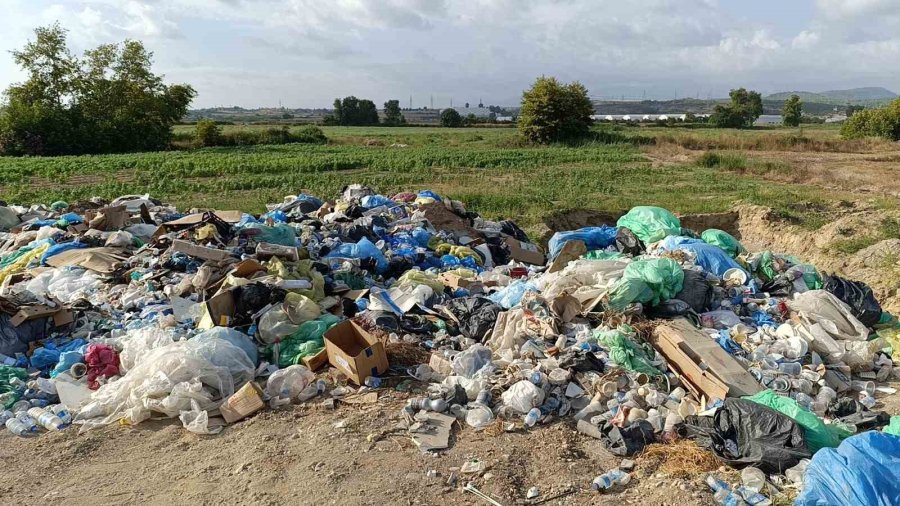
29 422
18 383
46 419
18 427
484 397
722 493
39 403
6 415
21 406
373 382
438 405
753 478
62 412
532 417
752 497
610 479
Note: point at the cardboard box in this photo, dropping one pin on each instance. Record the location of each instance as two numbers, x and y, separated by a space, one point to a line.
61 315
440 364
191 249
102 260
355 352
524 252
218 311
455 281
314 362
244 402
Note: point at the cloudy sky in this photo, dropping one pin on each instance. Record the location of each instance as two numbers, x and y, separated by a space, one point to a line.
306 52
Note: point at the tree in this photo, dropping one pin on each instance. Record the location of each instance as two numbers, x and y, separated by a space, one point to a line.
792 111
853 109
207 133
467 105
470 120
352 111
745 108
554 112
881 122
108 101
392 114
451 119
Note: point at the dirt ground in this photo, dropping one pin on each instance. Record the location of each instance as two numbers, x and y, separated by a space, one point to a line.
306 455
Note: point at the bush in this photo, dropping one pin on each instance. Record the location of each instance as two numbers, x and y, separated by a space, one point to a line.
207 133
555 112
745 108
451 119
882 122
713 159
305 135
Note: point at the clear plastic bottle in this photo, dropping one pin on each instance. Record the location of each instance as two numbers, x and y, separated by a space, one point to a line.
18 427
373 382
29 422
532 417
610 479
722 493
6 415
62 411
46 419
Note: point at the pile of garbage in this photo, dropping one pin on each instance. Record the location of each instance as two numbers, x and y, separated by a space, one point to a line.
642 332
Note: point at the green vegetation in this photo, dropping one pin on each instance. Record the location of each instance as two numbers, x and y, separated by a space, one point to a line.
209 134
745 108
792 112
882 122
392 114
352 111
450 118
108 101
555 112
888 229
487 168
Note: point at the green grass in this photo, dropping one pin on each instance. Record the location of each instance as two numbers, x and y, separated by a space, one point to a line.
486 168
889 228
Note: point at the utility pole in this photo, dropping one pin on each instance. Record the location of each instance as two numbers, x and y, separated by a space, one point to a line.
410 102
432 101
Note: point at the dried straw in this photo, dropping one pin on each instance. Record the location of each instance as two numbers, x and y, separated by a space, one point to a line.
680 459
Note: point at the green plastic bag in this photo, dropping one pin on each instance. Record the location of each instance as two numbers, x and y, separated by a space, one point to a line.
650 224
624 351
766 268
662 275
603 255
628 291
723 240
818 434
306 341
279 234
893 427
7 373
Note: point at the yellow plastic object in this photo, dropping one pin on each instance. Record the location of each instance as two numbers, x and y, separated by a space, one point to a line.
416 277
22 262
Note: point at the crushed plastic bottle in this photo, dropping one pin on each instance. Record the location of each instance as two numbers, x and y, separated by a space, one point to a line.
723 494
18 427
610 479
532 417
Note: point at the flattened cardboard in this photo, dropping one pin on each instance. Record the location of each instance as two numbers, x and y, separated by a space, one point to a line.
193 219
355 352
61 315
571 250
524 252
455 281
194 250
244 402
218 311
102 260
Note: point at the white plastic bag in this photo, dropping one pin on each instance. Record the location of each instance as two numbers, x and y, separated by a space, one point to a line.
523 396
196 420
475 361
287 383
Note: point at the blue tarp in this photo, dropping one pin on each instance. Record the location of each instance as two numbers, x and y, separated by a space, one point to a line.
56 249
712 258
864 469
594 238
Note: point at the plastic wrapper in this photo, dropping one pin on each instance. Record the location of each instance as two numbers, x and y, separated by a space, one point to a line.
166 379
510 296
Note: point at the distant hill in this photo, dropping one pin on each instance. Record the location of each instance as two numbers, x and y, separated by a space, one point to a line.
866 96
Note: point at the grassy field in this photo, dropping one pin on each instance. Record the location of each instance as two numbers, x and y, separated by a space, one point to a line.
487 168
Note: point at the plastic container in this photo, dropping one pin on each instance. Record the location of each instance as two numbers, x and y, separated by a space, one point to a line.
18 427
46 419
532 417
610 479
753 478
479 416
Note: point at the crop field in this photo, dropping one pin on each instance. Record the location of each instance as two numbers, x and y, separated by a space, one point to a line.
487 168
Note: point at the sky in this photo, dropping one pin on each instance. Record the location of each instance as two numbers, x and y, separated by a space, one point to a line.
304 53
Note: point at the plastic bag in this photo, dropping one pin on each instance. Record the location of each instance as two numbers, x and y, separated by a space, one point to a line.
196 420
235 337
8 219
274 325
522 396
711 258
696 291
744 433
817 434
650 224
625 352
723 240
662 275
279 234
475 361
476 315
593 237
858 296
306 341
363 249
864 469
289 382
510 296
7 373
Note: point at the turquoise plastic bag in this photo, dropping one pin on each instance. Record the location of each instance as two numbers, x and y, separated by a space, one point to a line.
650 224
663 276
723 240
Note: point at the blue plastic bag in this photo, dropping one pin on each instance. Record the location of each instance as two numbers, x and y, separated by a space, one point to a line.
711 258
511 295
47 356
56 249
594 238
362 250
373 201
864 469
428 194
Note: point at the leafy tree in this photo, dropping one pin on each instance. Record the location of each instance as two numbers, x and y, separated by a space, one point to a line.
108 101
467 105
352 111
792 111
392 114
207 133
853 109
451 119
745 108
881 122
470 120
552 111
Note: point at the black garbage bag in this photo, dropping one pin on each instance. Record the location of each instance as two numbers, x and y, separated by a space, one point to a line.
626 441
580 361
696 291
510 228
781 286
249 299
628 243
857 295
743 433
672 308
499 250
476 316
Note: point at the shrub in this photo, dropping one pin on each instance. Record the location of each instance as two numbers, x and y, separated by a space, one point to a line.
881 122
555 112
207 133
451 119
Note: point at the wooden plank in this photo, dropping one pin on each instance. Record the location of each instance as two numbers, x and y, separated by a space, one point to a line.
708 356
685 367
